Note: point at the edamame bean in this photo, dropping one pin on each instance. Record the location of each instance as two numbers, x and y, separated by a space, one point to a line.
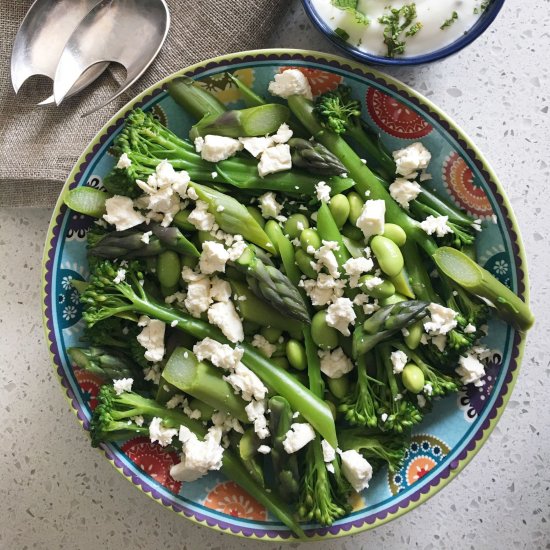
310 237
168 290
339 208
414 334
355 207
281 362
303 261
394 299
332 408
168 268
256 214
395 233
295 224
296 354
339 387
352 232
271 334
273 230
413 378
381 291
388 255
325 337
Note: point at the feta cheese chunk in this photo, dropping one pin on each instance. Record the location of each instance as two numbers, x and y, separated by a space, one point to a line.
335 364
122 385
263 345
442 320
356 469
152 339
220 290
340 314
355 267
247 383
326 258
256 145
123 161
299 435
411 159
159 434
213 257
398 360
220 355
290 82
198 298
255 411
372 217
404 191
121 213
275 159
146 236
216 148
437 225
323 191
471 370
284 133
200 218
325 290
225 317
264 449
329 453
120 276
269 206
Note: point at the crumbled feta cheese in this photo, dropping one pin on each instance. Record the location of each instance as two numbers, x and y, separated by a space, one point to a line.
369 284
263 345
424 176
225 317
160 434
442 320
437 225
469 329
198 457
398 360
120 276
138 420
371 219
146 236
355 267
470 370
122 385
216 148
428 389
404 191
356 469
152 339
439 341
324 290
275 159
236 250
412 158
255 412
299 435
269 206
369 305
421 400
152 374
121 213
200 218
198 298
124 161
227 422
284 133
335 364
329 453
175 401
174 323
323 191
340 314
326 258
384 417
220 355
220 290
247 383
256 145
214 176
290 82
213 257
264 449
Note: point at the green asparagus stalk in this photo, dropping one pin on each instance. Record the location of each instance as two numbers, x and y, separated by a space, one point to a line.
194 99
106 363
315 158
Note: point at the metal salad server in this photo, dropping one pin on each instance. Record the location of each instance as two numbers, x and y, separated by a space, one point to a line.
41 39
129 32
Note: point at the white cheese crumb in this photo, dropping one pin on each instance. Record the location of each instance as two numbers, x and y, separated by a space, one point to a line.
263 345
421 400
213 257
152 339
220 355
220 290
225 317
340 314
146 236
335 364
174 323
138 420
264 449
275 159
372 217
255 411
428 389
469 329
214 175
412 158
256 145
290 82
398 360
442 320
121 213
284 133
158 433
269 206
404 191
122 385
120 276
247 383
299 435
470 370
200 218
324 290
384 417
217 148
326 258
356 469
437 225
198 298
323 191
124 161
355 267
329 453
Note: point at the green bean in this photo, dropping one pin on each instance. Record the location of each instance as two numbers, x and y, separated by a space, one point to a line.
303 261
180 221
393 299
388 255
309 237
339 387
281 362
325 337
352 232
402 284
256 214
355 207
204 236
296 354
355 248
328 231
273 230
168 268
197 405
414 335
395 233
271 334
339 208
413 378
295 224
381 291
332 407
189 261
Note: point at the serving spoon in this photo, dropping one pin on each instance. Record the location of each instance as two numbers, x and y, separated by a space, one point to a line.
129 32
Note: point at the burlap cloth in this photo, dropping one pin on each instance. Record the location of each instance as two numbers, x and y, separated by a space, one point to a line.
39 145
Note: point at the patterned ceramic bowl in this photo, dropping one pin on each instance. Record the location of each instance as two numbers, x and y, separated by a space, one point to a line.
448 438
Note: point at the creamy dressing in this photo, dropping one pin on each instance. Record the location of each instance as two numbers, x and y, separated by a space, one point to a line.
430 13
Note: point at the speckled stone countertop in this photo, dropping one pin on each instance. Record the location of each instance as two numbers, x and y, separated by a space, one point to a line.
59 493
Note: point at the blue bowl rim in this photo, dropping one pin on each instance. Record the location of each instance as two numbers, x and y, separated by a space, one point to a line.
475 32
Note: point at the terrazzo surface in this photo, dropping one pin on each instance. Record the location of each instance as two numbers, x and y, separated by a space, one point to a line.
59 493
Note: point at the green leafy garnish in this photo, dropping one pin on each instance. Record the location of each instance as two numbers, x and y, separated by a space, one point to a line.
450 21
351 6
397 22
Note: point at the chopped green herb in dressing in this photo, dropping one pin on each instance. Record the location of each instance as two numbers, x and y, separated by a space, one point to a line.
398 22
448 22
